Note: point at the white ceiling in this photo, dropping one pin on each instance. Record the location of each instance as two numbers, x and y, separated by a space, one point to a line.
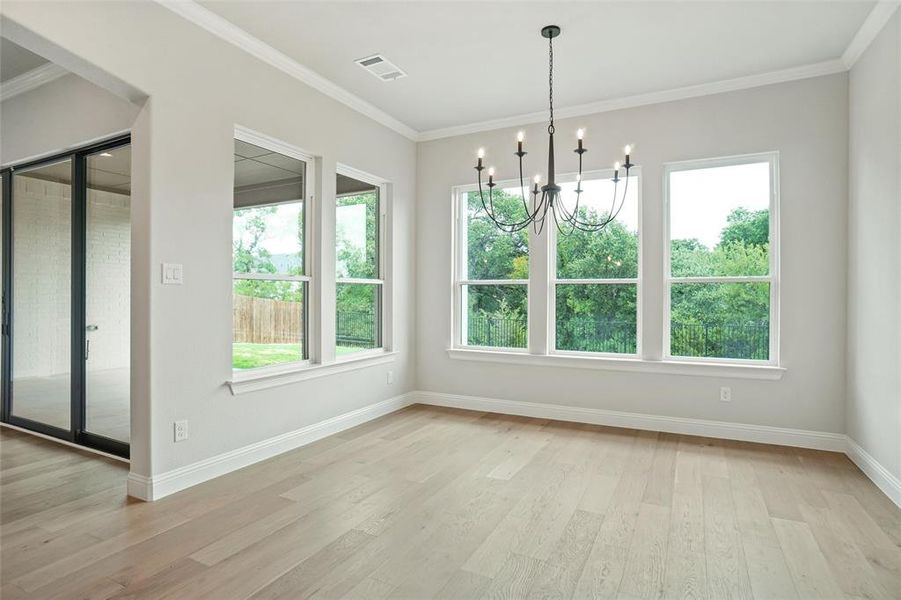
16 60
470 62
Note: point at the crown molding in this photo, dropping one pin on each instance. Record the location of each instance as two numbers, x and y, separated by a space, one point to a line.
228 31
30 80
828 67
868 31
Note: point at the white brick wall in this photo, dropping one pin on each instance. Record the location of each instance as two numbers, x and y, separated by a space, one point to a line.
108 278
42 254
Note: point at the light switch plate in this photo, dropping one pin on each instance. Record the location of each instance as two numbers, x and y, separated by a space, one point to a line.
173 274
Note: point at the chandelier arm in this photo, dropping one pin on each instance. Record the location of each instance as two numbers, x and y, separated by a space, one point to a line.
522 187
543 206
622 201
586 226
504 226
568 222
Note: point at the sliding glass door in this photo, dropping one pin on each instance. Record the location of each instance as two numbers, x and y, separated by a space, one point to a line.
66 290
42 303
108 293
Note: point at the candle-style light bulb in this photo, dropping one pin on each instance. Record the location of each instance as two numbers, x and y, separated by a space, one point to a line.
490 171
520 136
481 153
580 133
628 149
537 179
616 166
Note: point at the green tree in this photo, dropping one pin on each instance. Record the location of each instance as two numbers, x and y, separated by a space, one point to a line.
748 227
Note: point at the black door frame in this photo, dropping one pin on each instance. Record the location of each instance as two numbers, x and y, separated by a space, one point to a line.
78 337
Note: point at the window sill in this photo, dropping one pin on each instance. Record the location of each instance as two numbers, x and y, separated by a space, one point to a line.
667 367
267 377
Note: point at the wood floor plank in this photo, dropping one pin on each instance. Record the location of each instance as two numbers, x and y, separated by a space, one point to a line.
807 564
643 577
852 572
767 570
727 570
515 578
564 565
686 567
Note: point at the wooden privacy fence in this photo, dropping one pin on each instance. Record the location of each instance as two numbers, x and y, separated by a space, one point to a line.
266 321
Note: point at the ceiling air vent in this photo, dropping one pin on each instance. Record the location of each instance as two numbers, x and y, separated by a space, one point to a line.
381 67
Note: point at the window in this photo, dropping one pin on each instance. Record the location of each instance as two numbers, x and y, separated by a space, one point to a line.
721 259
492 273
595 293
358 263
271 274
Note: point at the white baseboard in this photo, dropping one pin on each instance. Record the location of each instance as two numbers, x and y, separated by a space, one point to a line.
158 486
781 436
884 480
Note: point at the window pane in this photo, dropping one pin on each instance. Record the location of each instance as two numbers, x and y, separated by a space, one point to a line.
496 315
722 320
491 253
608 254
42 285
357 236
719 221
268 323
268 226
357 325
597 318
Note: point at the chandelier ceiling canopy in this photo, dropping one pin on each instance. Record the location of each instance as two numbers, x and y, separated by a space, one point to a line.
547 200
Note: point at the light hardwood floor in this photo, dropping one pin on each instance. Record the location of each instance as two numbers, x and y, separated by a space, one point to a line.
429 502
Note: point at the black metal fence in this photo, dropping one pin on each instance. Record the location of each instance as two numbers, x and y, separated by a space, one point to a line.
357 329
590 334
498 332
725 340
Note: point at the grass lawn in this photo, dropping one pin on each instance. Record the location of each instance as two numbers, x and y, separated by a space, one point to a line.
251 356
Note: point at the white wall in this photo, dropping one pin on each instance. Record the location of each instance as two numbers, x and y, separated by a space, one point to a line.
62 114
199 88
874 253
806 121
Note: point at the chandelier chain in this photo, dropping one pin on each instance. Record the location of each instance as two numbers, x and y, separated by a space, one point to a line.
550 83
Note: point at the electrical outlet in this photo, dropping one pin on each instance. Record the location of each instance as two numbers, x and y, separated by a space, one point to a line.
181 431
725 394
389 378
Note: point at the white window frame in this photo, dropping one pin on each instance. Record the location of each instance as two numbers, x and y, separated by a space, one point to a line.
554 280
459 317
540 324
384 280
311 339
772 158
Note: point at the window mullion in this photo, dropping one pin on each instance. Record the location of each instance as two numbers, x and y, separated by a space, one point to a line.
324 246
539 291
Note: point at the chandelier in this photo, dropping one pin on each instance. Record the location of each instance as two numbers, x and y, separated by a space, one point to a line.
547 198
